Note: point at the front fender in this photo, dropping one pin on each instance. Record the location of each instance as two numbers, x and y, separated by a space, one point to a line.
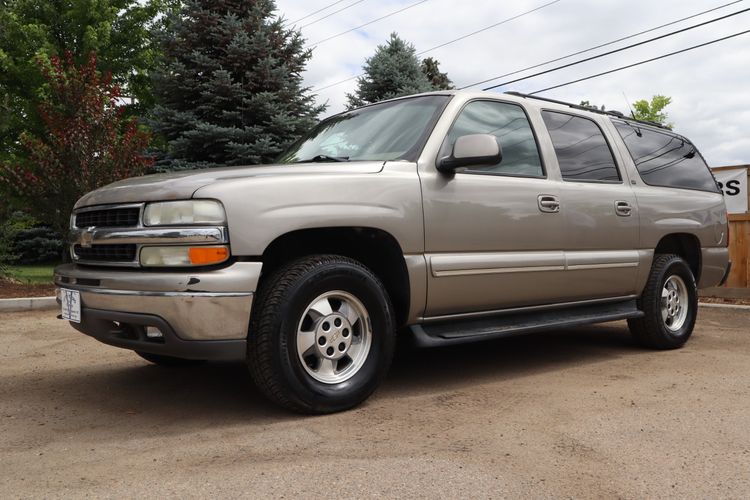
260 209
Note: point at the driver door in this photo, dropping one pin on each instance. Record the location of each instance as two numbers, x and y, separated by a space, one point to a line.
491 239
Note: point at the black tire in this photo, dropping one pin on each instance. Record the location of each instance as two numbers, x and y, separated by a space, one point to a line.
161 360
272 356
651 330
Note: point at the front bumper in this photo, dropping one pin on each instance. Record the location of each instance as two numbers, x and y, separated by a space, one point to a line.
202 314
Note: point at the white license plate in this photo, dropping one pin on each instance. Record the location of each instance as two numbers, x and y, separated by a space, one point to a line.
71 305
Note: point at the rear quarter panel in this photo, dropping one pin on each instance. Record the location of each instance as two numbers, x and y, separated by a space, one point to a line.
664 211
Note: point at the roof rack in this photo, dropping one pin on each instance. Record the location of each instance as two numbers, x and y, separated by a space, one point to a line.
586 108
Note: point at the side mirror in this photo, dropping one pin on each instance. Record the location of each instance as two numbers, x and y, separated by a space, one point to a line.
472 150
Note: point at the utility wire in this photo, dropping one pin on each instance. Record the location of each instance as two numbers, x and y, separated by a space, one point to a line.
319 10
610 52
368 23
453 41
492 26
641 62
550 61
331 14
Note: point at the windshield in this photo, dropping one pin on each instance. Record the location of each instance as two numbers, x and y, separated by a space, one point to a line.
393 130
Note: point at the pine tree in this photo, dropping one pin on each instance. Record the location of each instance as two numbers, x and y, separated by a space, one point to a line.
393 71
431 69
230 88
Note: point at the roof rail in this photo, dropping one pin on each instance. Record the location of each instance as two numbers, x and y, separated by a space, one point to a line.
616 114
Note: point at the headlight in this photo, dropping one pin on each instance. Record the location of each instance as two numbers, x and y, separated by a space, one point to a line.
171 213
183 256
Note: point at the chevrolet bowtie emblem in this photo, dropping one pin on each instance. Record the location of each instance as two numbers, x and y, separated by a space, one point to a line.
87 237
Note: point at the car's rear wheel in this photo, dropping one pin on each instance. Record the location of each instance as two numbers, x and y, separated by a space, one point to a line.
322 334
670 304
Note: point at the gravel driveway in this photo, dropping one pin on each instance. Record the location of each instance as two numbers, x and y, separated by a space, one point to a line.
580 412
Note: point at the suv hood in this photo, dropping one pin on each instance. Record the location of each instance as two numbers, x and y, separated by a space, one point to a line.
182 185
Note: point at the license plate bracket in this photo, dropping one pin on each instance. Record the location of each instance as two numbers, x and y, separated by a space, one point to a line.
70 305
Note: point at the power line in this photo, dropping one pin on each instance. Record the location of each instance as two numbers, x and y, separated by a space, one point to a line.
319 10
603 54
641 62
452 41
331 14
604 44
492 26
368 23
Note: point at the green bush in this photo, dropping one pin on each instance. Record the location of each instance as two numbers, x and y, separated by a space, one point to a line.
37 245
24 241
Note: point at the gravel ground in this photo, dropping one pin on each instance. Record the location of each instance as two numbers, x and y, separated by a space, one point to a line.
575 413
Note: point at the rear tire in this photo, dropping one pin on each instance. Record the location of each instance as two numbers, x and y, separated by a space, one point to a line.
670 304
322 335
161 360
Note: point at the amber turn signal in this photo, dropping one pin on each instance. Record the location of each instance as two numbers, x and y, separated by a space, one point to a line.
202 256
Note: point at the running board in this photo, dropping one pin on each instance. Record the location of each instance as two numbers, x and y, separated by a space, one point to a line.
506 325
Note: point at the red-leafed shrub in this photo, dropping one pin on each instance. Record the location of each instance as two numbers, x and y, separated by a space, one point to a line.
89 142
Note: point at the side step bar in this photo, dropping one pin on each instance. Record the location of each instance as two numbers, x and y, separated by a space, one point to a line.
506 325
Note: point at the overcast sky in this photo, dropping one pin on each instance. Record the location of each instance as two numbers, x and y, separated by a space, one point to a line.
709 86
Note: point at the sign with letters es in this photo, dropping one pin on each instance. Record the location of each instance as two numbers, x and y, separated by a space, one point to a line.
734 185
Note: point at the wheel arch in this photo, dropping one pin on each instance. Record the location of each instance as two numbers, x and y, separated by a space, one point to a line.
685 245
375 248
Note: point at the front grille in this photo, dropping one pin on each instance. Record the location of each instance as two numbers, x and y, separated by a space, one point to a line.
111 217
106 253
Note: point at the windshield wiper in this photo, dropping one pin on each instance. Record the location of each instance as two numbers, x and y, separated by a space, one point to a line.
323 158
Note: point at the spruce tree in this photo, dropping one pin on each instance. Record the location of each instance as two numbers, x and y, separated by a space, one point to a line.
431 69
229 91
393 71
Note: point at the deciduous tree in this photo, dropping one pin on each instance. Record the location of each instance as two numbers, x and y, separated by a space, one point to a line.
116 30
87 142
652 111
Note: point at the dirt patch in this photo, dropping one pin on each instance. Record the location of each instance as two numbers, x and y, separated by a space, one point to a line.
578 412
12 290
720 300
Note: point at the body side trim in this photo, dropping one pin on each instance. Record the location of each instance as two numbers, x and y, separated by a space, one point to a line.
513 310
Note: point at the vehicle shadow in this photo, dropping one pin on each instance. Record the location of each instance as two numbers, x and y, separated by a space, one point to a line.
144 398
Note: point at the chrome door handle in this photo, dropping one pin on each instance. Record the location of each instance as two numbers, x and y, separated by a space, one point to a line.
548 203
623 208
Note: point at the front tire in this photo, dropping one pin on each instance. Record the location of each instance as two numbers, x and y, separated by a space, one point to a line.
670 304
322 335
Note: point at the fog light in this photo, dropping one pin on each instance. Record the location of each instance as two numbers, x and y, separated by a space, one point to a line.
154 333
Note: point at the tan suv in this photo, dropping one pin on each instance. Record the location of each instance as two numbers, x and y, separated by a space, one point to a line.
450 217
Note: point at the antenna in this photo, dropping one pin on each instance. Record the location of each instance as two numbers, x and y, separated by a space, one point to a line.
632 115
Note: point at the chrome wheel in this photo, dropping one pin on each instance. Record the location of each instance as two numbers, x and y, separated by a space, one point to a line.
334 337
674 303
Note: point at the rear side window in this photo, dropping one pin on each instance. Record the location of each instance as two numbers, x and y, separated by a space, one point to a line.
507 122
582 151
665 159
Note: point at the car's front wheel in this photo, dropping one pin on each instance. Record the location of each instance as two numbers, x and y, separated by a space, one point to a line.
322 334
670 305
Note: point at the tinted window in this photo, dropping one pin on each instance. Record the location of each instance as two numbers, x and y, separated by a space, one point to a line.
582 150
509 124
665 159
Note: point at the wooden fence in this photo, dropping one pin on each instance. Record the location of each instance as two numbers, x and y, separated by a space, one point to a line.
739 243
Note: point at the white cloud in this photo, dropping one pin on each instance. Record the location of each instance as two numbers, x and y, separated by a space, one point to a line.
708 86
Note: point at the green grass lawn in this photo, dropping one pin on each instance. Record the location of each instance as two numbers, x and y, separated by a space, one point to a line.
37 274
